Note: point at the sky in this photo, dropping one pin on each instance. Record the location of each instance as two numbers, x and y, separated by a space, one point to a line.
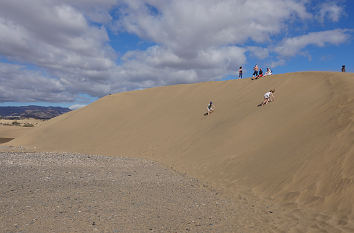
70 53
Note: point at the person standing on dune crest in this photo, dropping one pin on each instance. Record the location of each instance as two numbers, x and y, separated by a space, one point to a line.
255 71
240 72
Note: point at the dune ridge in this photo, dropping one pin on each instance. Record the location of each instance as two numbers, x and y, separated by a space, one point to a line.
298 150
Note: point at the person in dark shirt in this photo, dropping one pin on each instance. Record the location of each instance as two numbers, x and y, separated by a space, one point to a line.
210 108
255 71
240 72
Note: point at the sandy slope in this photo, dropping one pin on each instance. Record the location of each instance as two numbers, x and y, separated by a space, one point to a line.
297 151
7 131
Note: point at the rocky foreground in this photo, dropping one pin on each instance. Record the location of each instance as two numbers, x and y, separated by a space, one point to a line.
49 192
63 192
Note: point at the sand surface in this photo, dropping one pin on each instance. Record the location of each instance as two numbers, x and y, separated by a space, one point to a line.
296 153
50 192
13 131
64 192
9 130
29 122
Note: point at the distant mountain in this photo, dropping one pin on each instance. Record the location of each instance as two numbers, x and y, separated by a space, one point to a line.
31 111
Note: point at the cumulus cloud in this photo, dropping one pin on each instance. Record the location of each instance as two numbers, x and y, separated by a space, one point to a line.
22 85
62 48
292 46
59 39
95 10
197 40
159 66
259 52
186 26
329 10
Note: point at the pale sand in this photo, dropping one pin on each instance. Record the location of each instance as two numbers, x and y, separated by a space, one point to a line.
8 130
13 131
296 153
21 122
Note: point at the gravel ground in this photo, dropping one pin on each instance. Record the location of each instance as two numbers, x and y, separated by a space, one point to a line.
62 192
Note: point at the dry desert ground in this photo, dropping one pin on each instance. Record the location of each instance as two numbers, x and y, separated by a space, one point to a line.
151 161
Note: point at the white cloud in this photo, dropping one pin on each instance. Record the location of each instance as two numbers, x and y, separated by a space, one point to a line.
76 106
276 63
186 26
329 10
95 10
197 40
57 38
292 46
259 52
194 40
158 66
23 85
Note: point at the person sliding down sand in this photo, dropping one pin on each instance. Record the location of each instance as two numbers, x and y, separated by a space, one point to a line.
211 108
268 97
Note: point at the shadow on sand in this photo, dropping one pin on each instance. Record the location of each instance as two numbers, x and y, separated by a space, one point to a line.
4 140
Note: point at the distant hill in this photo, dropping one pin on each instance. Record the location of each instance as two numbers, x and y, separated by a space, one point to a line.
31 111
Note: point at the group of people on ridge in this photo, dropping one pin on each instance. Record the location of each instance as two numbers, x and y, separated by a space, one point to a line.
257 72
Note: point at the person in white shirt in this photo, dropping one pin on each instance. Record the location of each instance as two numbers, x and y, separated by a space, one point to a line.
268 97
211 108
268 72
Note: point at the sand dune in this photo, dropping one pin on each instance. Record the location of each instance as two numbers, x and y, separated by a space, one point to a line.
297 151
13 131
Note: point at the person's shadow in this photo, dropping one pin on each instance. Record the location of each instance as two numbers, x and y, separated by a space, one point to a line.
259 105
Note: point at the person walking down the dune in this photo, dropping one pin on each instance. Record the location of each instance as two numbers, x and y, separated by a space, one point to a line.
210 108
268 97
255 72
240 72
